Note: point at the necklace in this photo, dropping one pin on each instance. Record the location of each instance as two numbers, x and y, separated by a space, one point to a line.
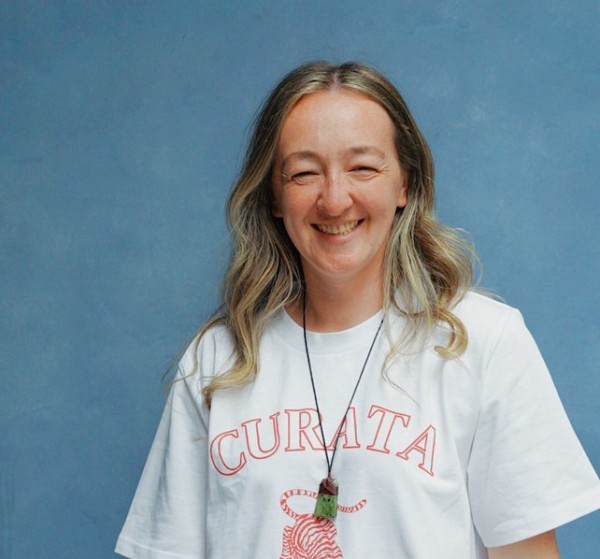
326 506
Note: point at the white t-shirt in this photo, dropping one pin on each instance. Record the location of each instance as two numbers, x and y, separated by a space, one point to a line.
439 458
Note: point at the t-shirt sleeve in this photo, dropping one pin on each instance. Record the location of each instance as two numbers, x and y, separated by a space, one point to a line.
167 518
527 471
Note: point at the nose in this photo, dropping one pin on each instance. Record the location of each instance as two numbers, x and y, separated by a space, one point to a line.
335 197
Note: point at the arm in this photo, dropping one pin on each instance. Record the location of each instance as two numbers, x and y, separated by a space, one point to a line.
543 546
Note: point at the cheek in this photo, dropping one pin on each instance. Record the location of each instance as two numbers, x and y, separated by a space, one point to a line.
295 215
294 232
293 205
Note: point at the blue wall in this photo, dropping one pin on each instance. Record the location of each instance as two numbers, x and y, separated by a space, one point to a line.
122 125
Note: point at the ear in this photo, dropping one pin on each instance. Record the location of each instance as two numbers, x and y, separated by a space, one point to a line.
403 194
275 207
275 198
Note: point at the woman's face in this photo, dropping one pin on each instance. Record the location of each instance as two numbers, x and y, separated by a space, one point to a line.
337 183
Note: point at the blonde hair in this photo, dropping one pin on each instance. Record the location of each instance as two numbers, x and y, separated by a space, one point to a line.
428 266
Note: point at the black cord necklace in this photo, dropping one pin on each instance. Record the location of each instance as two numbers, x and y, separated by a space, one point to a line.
326 506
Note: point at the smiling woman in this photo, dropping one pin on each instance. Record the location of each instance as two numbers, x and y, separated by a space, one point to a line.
354 397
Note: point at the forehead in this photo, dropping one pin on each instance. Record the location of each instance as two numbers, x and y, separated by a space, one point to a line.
337 118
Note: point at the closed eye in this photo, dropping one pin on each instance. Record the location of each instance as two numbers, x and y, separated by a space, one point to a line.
304 176
363 170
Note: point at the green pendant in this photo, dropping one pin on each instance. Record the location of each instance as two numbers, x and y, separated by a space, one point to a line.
326 506
327 499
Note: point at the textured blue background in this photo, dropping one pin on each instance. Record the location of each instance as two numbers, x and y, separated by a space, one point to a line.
122 125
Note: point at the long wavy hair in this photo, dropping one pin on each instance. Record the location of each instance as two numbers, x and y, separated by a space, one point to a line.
428 267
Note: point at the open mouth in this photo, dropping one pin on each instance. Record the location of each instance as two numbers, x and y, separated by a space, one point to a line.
343 229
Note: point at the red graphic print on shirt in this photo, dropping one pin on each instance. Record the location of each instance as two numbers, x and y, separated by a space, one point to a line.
311 537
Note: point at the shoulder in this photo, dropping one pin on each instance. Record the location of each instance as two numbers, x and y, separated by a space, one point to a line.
481 310
488 321
208 354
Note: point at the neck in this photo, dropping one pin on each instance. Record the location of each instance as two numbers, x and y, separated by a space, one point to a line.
332 308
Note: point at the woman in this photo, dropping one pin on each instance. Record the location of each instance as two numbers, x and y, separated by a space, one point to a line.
354 396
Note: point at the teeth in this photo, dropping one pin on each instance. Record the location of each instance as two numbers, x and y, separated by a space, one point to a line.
338 229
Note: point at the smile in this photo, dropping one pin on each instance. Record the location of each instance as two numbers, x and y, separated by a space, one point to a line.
343 229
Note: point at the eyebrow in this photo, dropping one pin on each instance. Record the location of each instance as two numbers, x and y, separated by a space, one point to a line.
306 154
368 150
